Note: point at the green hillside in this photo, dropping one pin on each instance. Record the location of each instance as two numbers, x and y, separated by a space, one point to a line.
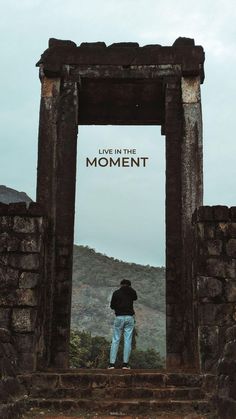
96 276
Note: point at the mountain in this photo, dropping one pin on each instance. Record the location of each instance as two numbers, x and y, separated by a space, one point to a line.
8 195
96 276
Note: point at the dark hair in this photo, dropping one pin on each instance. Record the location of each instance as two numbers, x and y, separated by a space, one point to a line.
125 282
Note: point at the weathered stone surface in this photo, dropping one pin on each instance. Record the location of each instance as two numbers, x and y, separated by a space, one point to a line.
31 244
53 42
35 209
216 314
221 268
3 208
25 262
204 213
190 57
5 317
230 290
8 277
27 297
17 208
177 341
18 297
27 224
10 243
8 298
226 408
120 44
233 213
226 401
45 381
231 248
63 275
232 389
221 213
209 288
209 229
190 89
27 361
232 230
20 250
23 319
209 383
5 335
231 333
63 261
9 390
60 358
28 280
3 241
214 247
25 342
200 231
182 41
5 222
13 244
230 350
227 366
209 348
4 259
222 230
64 251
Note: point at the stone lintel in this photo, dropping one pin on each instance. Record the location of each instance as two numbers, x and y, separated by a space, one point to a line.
144 72
60 53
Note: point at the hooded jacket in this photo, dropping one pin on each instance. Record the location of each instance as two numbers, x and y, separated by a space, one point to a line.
122 301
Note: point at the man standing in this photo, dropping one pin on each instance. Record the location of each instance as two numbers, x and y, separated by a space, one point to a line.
122 303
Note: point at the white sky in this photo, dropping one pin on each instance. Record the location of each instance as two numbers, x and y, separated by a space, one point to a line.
131 231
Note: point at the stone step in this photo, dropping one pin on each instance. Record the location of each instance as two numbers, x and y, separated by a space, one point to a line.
82 379
122 406
119 393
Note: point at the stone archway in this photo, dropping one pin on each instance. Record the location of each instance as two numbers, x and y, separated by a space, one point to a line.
96 84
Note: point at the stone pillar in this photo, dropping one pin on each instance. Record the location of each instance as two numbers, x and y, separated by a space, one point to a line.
192 198
183 194
56 192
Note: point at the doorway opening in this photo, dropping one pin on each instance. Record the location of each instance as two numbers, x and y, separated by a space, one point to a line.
119 232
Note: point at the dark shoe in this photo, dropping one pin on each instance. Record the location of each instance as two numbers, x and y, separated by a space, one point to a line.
111 366
125 366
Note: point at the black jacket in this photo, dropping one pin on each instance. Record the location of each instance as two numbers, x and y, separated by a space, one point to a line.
122 301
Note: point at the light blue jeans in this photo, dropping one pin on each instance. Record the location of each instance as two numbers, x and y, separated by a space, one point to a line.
122 324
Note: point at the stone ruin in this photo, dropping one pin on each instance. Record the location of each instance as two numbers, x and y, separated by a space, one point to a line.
118 84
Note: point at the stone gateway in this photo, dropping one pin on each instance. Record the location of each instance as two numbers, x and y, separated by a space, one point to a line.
119 84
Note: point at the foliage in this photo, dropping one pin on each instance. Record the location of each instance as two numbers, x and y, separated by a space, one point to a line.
88 351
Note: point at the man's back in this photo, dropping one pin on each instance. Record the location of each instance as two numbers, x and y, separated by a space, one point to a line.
122 301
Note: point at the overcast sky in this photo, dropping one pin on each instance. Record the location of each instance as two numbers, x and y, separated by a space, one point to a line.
119 212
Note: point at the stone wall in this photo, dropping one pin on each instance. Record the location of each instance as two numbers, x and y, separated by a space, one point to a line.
22 242
11 391
215 280
226 399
